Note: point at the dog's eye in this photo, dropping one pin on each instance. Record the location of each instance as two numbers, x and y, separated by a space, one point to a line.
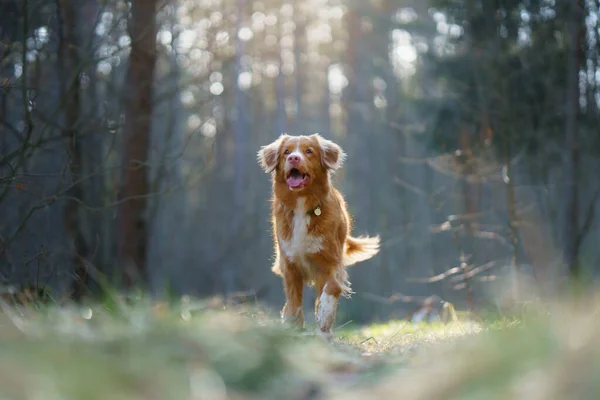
308 151
286 151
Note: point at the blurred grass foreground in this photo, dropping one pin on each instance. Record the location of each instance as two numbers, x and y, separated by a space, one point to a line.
204 350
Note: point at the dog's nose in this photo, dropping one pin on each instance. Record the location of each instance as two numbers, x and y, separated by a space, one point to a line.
293 159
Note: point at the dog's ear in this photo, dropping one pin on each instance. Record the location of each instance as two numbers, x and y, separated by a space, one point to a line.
268 156
332 155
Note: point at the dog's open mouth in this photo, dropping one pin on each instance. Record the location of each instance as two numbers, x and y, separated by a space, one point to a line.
297 179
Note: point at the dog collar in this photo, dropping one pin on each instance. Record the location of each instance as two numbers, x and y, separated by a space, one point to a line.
317 211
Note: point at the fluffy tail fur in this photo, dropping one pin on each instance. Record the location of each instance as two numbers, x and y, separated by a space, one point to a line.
360 249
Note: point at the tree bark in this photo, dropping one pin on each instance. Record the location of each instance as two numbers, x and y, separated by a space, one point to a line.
132 218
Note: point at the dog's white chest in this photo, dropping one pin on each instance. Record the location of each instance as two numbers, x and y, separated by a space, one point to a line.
301 242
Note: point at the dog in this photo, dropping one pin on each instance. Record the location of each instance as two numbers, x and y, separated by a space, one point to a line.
311 225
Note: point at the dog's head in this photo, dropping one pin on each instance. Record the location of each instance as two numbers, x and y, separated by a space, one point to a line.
300 161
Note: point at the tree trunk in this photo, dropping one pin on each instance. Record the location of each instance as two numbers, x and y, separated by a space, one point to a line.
132 223
571 238
70 93
356 101
466 242
513 218
280 113
299 43
240 138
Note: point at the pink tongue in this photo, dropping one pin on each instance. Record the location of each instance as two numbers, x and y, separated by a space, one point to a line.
295 180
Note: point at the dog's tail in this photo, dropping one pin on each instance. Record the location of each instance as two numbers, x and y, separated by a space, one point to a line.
360 249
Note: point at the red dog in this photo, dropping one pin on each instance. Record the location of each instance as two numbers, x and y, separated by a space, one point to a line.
311 225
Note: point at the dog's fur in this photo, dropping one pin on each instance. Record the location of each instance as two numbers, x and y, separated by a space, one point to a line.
311 226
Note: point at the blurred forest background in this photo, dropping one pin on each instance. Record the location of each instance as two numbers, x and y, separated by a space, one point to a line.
129 132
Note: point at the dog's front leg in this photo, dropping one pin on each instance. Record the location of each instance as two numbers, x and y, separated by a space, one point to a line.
293 285
327 302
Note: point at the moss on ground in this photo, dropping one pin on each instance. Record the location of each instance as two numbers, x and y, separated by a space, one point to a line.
192 350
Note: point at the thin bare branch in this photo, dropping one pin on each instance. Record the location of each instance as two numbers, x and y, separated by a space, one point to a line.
436 278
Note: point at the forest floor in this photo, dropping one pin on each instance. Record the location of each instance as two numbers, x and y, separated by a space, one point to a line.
196 350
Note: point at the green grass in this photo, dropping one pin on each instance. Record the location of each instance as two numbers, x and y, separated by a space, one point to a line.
196 350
